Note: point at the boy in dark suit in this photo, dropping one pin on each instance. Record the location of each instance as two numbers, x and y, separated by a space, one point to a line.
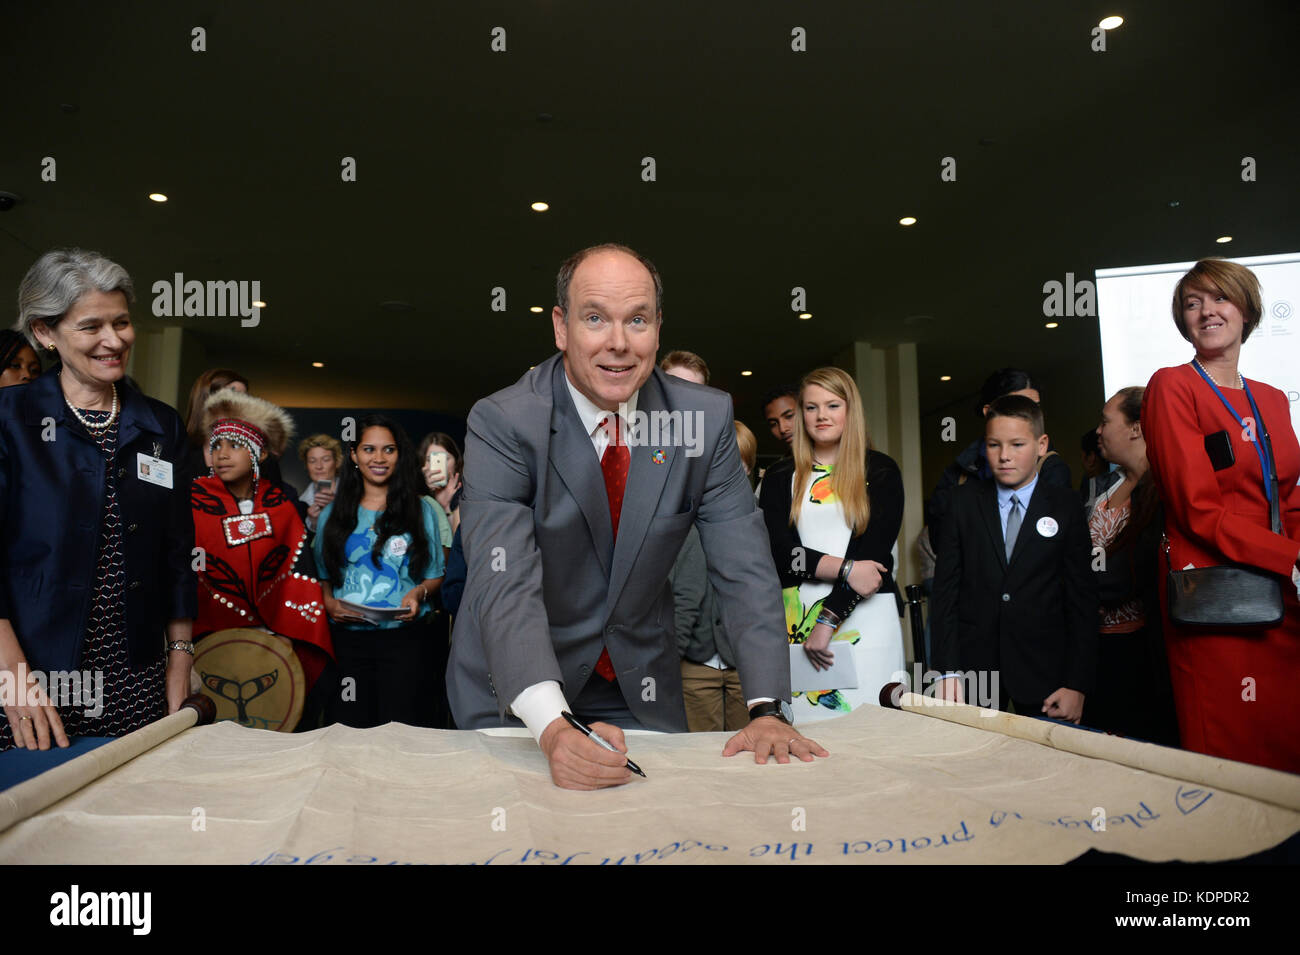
1014 594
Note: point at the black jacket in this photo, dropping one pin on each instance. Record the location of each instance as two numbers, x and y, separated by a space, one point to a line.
697 617
1034 619
1134 571
453 577
972 465
885 492
52 485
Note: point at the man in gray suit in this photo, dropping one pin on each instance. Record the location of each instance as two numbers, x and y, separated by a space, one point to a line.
581 481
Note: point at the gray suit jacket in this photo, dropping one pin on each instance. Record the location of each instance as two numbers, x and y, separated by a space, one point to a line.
700 631
548 587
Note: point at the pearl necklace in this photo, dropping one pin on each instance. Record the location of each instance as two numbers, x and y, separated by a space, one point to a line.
88 425
1197 360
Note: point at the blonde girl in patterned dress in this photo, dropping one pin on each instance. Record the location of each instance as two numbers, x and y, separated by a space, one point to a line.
833 515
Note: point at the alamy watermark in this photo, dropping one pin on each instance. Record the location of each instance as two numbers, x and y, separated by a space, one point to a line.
178 297
65 689
664 429
980 688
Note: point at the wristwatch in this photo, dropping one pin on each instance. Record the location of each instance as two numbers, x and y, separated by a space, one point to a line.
779 708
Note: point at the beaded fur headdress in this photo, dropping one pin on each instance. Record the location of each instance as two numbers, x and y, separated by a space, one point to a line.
247 422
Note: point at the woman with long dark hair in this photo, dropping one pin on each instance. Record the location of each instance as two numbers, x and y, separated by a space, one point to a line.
381 561
1132 696
19 362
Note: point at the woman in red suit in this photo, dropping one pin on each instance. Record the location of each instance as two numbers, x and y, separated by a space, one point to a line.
1236 690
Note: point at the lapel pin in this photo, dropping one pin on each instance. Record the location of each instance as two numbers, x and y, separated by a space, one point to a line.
659 457
1047 527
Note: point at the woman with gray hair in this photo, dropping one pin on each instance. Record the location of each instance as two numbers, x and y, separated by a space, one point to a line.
97 594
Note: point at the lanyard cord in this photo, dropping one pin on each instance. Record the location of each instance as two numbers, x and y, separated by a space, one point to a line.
1265 454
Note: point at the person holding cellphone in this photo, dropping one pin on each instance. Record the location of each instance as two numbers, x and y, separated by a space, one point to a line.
323 456
442 462
378 549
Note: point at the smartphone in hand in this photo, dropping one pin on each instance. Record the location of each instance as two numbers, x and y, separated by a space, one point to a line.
436 469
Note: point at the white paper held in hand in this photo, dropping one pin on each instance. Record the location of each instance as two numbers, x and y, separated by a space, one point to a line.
842 675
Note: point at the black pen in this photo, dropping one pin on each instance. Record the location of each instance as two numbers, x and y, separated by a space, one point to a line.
596 737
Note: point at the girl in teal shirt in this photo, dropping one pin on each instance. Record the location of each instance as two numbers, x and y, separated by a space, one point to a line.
379 547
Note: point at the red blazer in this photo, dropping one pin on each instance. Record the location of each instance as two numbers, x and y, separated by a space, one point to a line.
1213 517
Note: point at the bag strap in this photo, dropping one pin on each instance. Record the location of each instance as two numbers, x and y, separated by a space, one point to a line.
1274 514
1263 444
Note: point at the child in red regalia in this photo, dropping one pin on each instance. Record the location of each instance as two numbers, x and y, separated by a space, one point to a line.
257 569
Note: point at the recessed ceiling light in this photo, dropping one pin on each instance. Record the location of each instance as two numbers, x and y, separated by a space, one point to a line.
746 374
541 206
1223 238
805 315
907 220
318 364
1110 23
259 305
536 309
945 377
1051 324
157 197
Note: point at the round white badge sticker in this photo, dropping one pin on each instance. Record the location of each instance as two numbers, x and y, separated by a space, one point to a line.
397 546
1047 527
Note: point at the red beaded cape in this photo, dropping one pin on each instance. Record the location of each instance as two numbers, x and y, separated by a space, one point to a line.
247 577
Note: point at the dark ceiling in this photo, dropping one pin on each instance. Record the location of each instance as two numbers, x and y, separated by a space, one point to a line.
775 169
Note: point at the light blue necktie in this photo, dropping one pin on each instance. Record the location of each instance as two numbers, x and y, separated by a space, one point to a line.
1013 525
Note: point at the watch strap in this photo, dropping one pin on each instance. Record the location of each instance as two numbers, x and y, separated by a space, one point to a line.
769 708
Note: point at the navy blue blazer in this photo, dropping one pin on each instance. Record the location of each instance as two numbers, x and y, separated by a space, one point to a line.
51 509
453 578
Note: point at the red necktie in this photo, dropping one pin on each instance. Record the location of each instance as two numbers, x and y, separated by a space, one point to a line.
613 464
